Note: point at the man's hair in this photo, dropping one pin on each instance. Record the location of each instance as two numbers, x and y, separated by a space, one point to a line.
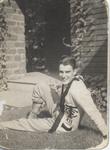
68 60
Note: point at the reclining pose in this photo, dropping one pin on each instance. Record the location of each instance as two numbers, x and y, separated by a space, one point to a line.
72 94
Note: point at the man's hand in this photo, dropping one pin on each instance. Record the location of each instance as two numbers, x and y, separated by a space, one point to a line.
31 115
100 146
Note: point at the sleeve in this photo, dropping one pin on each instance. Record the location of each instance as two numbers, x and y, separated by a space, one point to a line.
82 96
56 85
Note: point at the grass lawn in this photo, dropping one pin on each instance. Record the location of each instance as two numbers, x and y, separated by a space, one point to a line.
86 136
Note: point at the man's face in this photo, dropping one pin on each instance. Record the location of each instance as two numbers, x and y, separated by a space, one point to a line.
66 73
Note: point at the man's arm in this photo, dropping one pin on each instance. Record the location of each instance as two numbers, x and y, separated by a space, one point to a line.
82 96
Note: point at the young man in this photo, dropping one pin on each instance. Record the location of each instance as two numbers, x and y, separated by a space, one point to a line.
72 95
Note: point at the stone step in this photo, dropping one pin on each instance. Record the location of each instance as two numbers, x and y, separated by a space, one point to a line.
19 91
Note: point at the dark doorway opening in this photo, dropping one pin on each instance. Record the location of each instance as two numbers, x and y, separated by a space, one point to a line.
58 26
47 22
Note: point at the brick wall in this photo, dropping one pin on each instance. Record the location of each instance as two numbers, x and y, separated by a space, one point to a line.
94 44
16 57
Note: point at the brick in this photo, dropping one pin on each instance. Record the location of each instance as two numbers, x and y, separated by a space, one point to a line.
101 32
21 37
100 53
101 26
11 22
9 57
20 23
12 37
96 70
20 50
18 17
15 17
93 43
95 3
23 56
9 10
99 11
20 44
17 58
97 32
18 29
103 51
18 11
96 58
95 38
10 17
10 44
94 47
95 11
101 21
22 64
11 51
99 66
96 21
101 15
84 53
12 64
13 4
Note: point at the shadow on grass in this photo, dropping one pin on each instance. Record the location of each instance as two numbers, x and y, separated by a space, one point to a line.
79 139
86 136
89 129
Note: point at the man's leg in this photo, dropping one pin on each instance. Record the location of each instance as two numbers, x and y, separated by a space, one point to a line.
42 96
32 125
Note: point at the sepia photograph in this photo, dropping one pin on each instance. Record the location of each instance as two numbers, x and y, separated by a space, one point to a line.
54 76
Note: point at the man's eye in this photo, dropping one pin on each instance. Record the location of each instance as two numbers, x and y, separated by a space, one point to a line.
67 71
60 71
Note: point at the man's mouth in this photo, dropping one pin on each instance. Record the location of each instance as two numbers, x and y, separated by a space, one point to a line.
64 80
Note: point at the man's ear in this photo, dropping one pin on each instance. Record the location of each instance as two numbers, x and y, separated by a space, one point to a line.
75 71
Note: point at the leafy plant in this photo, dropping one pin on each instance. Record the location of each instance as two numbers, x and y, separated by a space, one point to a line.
79 27
3 34
98 88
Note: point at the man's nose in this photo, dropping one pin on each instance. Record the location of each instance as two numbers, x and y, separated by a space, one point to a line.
63 75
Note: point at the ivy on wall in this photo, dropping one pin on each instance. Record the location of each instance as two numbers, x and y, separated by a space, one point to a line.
3 34
79 28
98 86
